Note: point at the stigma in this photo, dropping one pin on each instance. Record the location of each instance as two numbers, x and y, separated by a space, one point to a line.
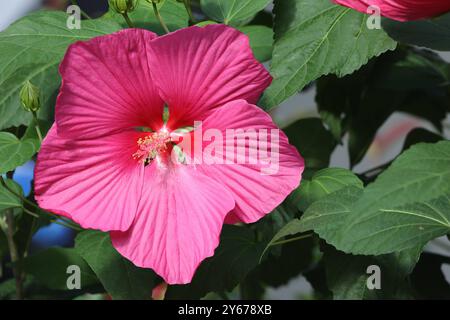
151 146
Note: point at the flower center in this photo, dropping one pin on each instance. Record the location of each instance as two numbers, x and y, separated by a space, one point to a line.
150 146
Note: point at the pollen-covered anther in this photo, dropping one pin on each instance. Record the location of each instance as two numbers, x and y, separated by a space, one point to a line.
150 146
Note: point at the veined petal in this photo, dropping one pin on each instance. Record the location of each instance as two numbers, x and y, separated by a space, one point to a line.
179 220
95 182
198 69
261 169
401 10
107 87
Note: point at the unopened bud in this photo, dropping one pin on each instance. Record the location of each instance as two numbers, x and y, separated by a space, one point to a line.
123 6
30 97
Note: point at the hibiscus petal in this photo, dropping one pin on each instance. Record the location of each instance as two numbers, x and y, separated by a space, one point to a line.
198 69
259 186
95 182
401 10
107 87
178 225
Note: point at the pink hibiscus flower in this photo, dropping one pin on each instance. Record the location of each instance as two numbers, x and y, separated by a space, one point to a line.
98 167
401 10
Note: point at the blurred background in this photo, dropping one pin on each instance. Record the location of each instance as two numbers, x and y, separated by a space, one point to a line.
386 146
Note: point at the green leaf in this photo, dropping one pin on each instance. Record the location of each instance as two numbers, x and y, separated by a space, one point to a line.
318 281
238 253
322 183
328 215
314 38
274 221
394 228
291 228
234 12
31 49
7 199
411 81
347 274
432 33
173 13
407 206
15 152
314 142
261 38
49 267
120 277
278 269
8 289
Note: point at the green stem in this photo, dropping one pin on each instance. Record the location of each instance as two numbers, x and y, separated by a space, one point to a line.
30 235
14 253
38 128
3 183
67 222
35 216
128 20
31 213
160 19
83 13
54 220
303 236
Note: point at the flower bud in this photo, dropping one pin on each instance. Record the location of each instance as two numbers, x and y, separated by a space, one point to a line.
30 97
123 6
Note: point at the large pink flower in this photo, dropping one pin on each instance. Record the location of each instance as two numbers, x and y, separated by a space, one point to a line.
98 169
402 10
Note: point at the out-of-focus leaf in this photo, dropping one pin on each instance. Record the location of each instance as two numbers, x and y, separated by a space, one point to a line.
120 277
314 142
431 33
50 267
277 269
411 81
406 206
238 253
428 278
31 49
347 274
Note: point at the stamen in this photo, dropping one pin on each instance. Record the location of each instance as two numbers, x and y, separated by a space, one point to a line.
150 146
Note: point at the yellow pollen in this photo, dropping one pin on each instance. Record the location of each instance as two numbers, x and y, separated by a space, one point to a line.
150 146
